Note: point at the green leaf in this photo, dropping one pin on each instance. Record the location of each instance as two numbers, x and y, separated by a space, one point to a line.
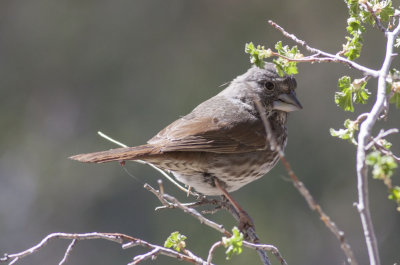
284 66
254 55
395 99
344 82
257 54
352 49
344 98
383 166
384 10
361 94
366 17
385 143
344 101
341 133
394 195
354 26
395 87
175 241
348 133
354 7
233 243
351 92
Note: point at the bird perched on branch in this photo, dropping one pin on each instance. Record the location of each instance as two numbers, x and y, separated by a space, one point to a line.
222 144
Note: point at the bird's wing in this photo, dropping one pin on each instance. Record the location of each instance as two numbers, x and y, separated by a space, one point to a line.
209 134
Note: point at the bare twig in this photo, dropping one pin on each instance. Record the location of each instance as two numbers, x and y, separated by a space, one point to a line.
265 247
211 251
303 190
68 251
151 254
270 248
383 150
328 57
218 205
41 244
172 202
187 256
363 138
361 118
382 134
115 237
251 233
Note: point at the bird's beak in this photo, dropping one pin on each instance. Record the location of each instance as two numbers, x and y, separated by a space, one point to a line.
287 103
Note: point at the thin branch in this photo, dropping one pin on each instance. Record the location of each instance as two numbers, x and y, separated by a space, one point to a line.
251 233
383 150
114 237
193 256
203 201
328 57
211 251
361 118
151 254
43 243
68 251
303 190
382 134
363 138
270 248
172 202
188 256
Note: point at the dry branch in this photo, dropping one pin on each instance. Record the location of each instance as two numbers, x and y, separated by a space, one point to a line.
303 190
321 56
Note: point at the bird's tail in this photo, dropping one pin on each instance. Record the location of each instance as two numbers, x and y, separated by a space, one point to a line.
118 154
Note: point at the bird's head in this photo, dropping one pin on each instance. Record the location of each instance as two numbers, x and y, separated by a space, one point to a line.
273 91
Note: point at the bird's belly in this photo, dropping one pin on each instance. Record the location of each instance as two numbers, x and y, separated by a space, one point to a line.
233 170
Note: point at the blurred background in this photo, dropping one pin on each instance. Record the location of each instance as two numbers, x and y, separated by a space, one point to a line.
129 68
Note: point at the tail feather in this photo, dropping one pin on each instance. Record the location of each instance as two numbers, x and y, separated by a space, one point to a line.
118 154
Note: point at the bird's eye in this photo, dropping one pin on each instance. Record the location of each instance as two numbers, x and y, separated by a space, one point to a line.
269 85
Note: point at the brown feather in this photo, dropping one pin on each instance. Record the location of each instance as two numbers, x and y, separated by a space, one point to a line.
118 154
218 134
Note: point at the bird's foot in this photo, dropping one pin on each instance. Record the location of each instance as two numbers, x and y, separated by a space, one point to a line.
245 222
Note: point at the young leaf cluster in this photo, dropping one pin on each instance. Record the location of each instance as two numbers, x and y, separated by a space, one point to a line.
233 243
395 99
383 167
283 63
348 133
257 54
352 49
393 85
284 66
360 14
394 195
351 92
175 241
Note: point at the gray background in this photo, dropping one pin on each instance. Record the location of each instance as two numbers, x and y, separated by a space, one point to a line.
129 68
